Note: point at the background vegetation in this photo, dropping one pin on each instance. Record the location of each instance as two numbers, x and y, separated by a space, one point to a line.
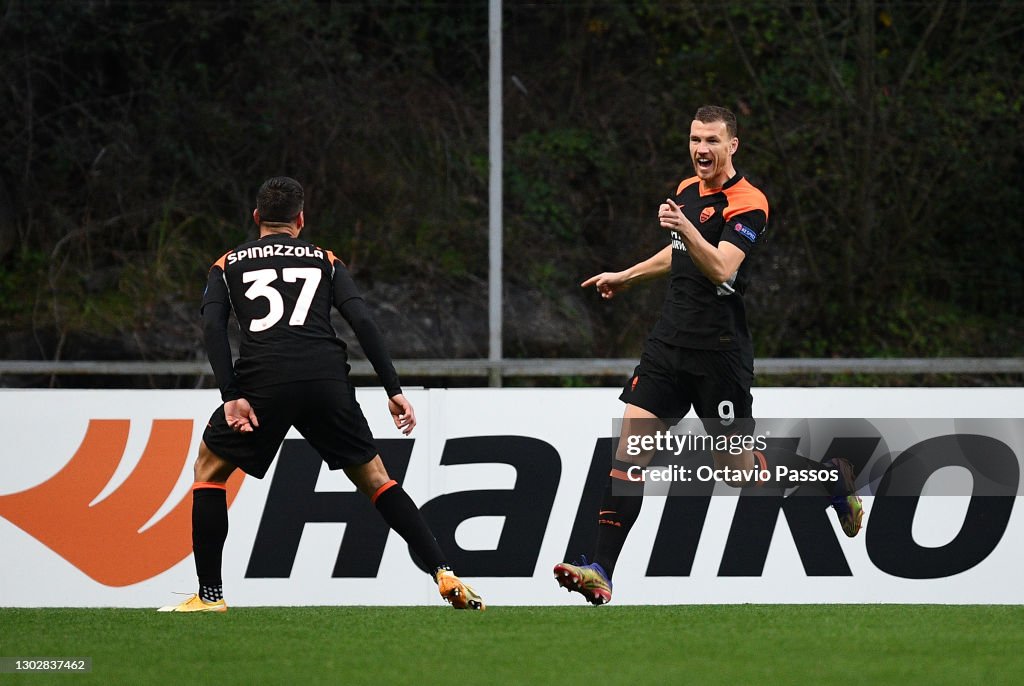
888 136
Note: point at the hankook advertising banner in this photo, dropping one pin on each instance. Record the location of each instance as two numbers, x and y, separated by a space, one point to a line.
95 501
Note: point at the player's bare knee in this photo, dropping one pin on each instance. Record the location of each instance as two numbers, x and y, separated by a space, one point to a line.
368 477
641 458
210 467
637 432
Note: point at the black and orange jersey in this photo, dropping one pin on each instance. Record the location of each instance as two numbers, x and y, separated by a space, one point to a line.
281 290
698 313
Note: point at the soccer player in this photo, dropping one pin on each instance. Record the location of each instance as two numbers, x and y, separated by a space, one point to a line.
700 353
292 371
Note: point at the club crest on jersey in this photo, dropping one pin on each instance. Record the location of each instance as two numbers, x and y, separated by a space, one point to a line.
746 232
706 214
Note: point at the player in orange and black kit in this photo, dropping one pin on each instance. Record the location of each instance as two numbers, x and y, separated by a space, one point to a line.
292 370
700 353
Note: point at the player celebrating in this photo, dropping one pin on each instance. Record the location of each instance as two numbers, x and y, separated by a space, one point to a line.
700 353
292 371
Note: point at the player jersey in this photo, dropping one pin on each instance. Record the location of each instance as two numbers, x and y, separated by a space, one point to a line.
698 313
281 290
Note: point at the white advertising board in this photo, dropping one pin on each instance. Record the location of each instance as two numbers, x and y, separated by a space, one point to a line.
95 508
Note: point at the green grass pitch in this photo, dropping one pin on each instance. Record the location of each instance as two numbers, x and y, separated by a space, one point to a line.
693 644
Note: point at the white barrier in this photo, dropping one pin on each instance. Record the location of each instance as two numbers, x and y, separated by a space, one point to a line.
501 475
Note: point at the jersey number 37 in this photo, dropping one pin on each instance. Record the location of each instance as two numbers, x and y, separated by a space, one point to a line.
261 280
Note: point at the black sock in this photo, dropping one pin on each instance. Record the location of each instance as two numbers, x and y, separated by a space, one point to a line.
209 531
620 507
402 515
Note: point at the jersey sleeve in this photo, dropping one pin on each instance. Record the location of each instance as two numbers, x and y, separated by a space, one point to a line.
344 287
353 308
216 288
746 218
744 230
215 310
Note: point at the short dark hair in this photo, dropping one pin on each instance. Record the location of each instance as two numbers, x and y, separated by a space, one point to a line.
279 200
709 114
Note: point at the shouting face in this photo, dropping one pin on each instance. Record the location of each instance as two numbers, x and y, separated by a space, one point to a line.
711 150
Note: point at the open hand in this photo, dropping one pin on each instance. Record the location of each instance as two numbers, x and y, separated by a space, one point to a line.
240 416
402 413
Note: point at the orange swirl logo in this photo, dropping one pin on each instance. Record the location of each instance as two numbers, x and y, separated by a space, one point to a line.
104 540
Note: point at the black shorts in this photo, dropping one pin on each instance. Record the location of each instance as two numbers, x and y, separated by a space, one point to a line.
324 411
716 383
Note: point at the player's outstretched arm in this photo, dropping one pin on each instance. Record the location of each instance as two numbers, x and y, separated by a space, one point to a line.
402 413
608 284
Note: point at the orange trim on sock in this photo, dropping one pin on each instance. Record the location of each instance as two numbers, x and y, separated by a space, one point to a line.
380 491
623 476
760 458
209 484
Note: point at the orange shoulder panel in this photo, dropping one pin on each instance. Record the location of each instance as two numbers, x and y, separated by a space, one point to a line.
686 182
221 262
331 257
744 197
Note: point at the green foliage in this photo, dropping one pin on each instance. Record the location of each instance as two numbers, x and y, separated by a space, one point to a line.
887 135
552 178
18 284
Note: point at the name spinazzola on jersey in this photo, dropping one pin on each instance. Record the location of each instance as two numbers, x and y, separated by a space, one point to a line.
274 250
